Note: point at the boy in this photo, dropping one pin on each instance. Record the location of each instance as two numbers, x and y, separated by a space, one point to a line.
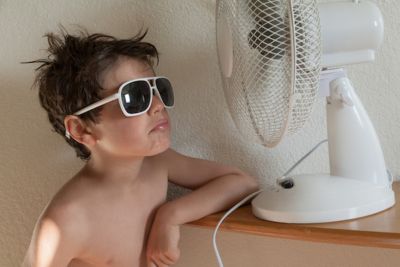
102 95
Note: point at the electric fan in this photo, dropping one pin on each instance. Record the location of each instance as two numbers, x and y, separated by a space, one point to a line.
276 57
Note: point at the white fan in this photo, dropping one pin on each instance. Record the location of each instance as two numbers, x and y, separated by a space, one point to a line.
276 57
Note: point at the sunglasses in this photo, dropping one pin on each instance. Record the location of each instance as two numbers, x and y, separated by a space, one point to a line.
135 96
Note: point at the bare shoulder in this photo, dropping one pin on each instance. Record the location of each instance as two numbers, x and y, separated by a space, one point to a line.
67 206
68 210
60 231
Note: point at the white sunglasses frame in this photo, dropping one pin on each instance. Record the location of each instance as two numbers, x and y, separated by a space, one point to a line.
118 96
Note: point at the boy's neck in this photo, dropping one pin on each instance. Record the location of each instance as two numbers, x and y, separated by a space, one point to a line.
115 171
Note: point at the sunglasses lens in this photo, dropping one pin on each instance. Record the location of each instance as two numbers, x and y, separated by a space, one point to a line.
165 89
136 96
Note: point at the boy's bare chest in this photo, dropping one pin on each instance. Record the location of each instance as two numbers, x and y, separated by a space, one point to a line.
120 226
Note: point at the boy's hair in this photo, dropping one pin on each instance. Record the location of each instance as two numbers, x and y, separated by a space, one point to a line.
69 78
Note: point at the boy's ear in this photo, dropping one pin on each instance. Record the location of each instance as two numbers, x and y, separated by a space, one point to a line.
79 130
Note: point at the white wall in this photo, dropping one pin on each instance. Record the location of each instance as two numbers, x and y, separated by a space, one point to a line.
34 162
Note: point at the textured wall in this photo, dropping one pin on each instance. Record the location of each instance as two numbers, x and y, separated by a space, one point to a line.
34 162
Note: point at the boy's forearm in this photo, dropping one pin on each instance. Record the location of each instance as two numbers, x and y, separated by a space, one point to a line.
219 194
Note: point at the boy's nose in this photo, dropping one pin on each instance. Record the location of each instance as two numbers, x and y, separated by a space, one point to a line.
157 105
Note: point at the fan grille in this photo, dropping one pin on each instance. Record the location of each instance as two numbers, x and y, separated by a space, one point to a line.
276 65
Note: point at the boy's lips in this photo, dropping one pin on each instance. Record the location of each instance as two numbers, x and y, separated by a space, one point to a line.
160 125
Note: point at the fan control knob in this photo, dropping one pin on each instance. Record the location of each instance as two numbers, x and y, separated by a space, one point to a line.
287 183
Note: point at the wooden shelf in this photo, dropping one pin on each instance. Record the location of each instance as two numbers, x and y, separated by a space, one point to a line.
378 230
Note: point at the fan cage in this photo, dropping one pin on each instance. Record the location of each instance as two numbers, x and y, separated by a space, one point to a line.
276 50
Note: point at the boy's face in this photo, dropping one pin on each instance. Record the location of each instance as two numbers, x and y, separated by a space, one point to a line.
119 135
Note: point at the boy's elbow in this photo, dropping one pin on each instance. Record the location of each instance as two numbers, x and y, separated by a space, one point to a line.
249 182
252 183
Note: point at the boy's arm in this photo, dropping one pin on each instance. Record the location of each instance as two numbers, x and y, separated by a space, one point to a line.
217 187
57 239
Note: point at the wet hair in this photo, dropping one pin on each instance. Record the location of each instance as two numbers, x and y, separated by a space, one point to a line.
70 77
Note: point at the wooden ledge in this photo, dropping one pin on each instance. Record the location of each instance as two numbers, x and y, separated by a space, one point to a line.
378 230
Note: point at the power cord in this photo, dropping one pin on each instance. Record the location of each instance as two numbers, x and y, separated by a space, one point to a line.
220 264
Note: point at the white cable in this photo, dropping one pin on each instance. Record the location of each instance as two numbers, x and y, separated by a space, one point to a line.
304 157
220 264
223 218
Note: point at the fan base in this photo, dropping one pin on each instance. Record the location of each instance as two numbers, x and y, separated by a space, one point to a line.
322 198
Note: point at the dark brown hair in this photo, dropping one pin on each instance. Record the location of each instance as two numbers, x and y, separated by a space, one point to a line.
69 78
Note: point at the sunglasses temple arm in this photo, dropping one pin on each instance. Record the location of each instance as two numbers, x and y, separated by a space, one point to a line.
97 104
92 106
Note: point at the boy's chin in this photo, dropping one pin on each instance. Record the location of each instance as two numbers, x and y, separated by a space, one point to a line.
160 148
